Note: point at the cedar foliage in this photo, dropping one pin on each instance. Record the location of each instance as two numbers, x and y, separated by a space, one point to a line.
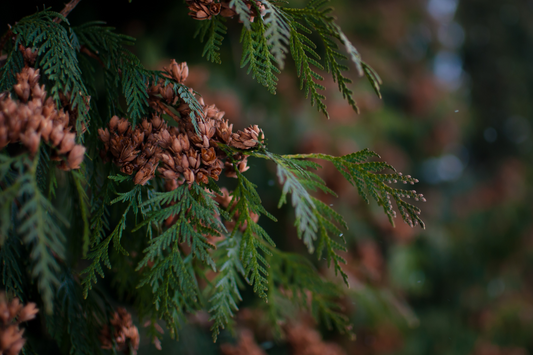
56 257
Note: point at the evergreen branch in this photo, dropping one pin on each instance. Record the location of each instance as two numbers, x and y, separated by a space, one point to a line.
297 280
83 203
304 55
100 252
13 65
196 214
254 237
134 82
362 175
225 293
75 322
373 77
10 263
56 57
66 10
256 54
242 10
214 30
173 285
277 32
40 229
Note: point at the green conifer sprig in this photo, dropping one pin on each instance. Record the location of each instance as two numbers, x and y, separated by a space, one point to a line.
280 29
14 64
84 205
76 321
363 175
100 252
10 264
242 10
258 57
254 238
40 227
174 287
214 30
277 32
294 278
196 214
57 58
225 294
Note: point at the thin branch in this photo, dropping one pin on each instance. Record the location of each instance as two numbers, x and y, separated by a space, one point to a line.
67 9
86 50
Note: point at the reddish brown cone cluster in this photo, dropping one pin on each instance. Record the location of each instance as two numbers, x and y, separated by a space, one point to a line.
178 153
34 117
12 314
206 9
124 335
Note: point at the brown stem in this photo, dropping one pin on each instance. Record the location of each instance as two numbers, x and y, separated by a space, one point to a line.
67 9
86 50
167 110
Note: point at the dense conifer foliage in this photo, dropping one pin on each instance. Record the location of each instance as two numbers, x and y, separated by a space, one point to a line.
155 179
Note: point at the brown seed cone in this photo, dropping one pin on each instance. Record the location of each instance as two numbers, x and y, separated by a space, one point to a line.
35 117
12 314
125 334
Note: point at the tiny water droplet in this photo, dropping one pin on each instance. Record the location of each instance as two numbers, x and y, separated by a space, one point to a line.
340 235
456 111
331 205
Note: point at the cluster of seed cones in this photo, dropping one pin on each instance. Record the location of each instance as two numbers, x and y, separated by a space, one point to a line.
181 154
123 335
34 118
12 314
206 9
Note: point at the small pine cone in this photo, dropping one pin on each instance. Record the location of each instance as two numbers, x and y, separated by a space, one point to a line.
28 55
203 9
75 157
125 335
193 158
224 199
202 176
227 11
207 128
178 72
224 131
189 176
248 138
31 140
67 143
209 156
147 172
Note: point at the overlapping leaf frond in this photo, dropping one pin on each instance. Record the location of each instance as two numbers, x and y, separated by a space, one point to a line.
280 29
213 32
57 58
76 321
100 251
255 239
225 294
258 57
294 278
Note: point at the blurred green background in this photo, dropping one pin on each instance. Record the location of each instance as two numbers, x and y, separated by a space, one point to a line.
456 113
